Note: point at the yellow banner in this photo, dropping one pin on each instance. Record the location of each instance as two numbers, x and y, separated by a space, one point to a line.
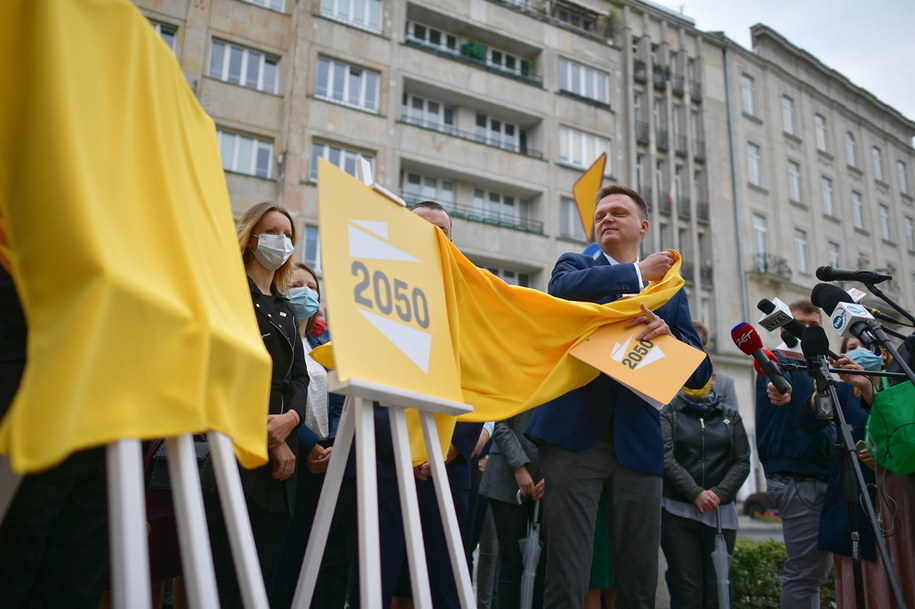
121 242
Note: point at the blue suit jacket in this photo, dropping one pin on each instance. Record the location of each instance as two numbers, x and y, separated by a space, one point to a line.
579 418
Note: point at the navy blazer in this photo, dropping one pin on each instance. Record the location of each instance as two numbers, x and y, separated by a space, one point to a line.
579 418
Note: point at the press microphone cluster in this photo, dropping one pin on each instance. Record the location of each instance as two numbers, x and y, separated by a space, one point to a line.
777 315
847 317
747 340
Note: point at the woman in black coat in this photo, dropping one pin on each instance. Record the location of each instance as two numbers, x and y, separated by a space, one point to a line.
266 236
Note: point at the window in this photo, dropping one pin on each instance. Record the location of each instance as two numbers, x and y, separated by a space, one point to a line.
416 188
748 94
277 5
365 14
800 250
788 115
832 254
581 80
581 149
245 154
903 176
910 233
506 62
570 220
857 208
760 234
495 206
877 157
753 164
347 84
829 207
341 157
245 67
639 169
431 37
820 125
884 212
574 16
427 113
637 105
794 181
495 132
851 149
511 277
311 250
168 33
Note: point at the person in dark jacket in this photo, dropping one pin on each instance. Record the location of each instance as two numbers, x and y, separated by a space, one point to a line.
706 459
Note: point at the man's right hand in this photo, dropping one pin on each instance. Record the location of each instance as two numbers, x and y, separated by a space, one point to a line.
655 266
777 399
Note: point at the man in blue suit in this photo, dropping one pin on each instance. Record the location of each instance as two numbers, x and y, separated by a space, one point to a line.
602 440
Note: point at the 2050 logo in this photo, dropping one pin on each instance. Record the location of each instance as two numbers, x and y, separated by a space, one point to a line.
641 354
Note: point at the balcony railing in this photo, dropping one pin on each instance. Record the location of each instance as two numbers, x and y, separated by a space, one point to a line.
682 146
456 55
512 146
695 90
486 216
770 264
702 211
641 132
676 84
683 209
686 271
639 72
661 138
699 149
705 272
664 205
659 76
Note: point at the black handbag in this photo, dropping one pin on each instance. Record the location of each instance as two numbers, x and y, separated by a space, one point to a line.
157 471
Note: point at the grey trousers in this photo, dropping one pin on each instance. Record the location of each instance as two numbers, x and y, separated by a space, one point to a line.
574 483
806 568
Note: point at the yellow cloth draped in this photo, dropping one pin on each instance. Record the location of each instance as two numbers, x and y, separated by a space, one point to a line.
120 241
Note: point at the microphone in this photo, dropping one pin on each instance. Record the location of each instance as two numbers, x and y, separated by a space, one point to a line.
791 348
815 346
779 311
847 317
748 341
827 273
789 339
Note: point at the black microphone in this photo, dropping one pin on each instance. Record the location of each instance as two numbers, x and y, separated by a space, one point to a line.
827 273
815 346
793 327
789 339
846 316
747 340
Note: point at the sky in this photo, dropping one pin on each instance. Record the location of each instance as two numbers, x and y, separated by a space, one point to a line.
870 42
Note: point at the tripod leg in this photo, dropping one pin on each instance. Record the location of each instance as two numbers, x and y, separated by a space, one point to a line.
127 524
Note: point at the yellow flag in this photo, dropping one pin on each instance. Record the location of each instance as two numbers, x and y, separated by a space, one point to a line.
121 242
585 190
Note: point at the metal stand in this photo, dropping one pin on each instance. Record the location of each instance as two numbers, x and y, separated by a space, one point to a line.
127 525
357 420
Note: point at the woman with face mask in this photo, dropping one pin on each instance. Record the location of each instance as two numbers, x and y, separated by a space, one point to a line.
266 237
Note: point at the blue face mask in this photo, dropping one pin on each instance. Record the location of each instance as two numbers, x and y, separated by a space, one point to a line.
865 358
304 301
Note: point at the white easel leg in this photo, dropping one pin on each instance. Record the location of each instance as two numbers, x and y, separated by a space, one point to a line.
324 513
446 508
127 526
193 539
367 498
409 507
238 525
9 484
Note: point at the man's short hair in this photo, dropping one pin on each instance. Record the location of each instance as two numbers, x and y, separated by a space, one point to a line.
616 189
804 306
430 205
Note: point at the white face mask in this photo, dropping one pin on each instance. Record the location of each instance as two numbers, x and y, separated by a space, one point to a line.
273 250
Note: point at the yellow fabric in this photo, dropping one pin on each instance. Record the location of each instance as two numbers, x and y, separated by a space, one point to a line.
512 343
698 393
121 242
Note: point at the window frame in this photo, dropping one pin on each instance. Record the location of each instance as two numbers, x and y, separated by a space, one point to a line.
224 73
794 181
345 155
334 13
754 164
600 81
748 94
349 71
589 146
257 146
789 124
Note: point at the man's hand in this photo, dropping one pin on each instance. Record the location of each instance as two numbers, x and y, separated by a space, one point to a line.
706 501
778 399
524 480
655 266
283 461
859 381
422 471
317 460
654 325
279 426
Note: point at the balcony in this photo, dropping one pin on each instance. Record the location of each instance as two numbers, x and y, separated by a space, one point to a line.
661 138
699 149
683 209
659 76
486 216
705 273
510 145
646 194
702 211
641 132
768 264
681 145
676 84
470 56
664 205
639 71
695 90
686 271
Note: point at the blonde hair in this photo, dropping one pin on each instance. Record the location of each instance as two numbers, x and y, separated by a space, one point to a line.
250 219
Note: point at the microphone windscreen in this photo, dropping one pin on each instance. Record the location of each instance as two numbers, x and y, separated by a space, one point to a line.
765 305
827 296
746 338
814 342
824 273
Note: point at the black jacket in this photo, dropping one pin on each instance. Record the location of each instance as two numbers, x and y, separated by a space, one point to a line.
703 452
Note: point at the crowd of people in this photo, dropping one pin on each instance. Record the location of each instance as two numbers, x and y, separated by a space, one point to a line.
609 477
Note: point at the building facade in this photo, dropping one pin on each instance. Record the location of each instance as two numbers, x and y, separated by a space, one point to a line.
758 165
